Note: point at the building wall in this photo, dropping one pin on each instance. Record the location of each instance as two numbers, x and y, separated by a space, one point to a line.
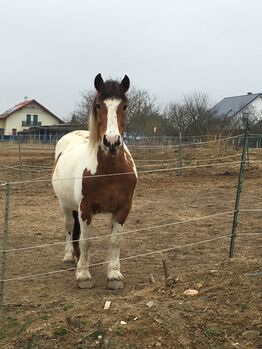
14 121
2 126
254 109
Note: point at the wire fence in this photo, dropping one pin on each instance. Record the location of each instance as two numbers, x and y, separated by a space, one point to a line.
157 170
152 228
146 254
123 233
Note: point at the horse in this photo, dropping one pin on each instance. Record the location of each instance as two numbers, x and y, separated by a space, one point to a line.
94 173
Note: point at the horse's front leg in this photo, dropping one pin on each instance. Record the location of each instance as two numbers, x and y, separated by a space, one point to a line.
83 276
115 277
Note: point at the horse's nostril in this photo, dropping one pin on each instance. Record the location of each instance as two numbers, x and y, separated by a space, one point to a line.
118 141
105 141
112 144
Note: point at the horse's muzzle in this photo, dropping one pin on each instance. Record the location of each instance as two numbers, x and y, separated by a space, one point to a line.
112 146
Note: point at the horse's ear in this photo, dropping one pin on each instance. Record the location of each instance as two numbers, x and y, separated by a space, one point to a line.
125 83
99 82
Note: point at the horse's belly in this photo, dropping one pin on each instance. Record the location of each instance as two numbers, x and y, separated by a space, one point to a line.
67 178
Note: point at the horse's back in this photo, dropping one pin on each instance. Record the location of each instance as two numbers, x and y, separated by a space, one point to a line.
71 139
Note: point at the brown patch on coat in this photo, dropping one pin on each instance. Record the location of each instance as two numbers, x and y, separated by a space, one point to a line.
110 193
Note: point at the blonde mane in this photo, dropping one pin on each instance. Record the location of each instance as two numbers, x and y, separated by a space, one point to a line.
93 134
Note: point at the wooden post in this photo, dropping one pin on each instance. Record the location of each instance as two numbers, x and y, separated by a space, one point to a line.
169 280
239 190
20 160
180 155
5 245
53 154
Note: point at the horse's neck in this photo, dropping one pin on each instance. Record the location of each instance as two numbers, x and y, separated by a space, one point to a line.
110 164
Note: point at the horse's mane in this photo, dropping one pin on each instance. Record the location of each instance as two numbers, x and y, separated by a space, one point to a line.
111 89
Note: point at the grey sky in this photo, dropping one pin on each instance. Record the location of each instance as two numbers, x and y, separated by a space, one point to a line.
51 50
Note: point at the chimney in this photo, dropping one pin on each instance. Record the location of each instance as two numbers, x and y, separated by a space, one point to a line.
249 93
25 99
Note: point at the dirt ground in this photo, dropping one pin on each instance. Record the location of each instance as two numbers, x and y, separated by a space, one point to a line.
50 312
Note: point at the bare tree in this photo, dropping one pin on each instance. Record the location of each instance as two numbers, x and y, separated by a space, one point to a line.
143 112
193 116
175 114
83 108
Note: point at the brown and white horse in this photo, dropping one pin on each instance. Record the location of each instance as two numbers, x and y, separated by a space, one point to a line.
89 178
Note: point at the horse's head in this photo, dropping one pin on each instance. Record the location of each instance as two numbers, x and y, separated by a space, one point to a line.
109 110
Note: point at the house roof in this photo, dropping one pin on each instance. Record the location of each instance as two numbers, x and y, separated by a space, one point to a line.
230 106
23 104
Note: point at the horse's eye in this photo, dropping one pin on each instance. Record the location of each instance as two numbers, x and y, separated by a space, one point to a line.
125 107
98 106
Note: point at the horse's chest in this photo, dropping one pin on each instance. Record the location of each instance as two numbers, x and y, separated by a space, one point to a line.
107 194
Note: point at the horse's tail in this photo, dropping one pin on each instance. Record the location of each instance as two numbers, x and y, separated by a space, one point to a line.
76 234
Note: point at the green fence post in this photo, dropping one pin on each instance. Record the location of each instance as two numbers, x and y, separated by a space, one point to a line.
239 189
5 245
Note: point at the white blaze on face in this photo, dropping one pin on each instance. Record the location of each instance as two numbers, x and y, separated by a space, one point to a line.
112 132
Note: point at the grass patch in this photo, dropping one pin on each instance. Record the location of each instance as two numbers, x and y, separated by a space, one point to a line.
12 326
243 306
97 333
67 306
60 331
30 342
211 331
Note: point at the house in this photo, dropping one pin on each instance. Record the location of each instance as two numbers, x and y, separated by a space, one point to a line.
24 115
238 107
47 134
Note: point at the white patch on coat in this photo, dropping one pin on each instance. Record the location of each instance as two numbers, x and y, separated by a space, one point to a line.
69 255
112 131
76 156
82 271
132 160
113 271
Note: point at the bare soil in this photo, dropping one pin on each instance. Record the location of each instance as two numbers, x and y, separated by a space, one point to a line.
50 312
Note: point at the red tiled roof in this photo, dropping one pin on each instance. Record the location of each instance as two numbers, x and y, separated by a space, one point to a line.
23 104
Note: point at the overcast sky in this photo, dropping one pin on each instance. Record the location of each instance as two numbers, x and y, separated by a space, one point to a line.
51 50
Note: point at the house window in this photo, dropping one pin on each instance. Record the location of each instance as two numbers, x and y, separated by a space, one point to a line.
28 119
14 131
35 120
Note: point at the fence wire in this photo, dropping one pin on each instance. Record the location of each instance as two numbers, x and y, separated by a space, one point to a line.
123 173
146 254
122 233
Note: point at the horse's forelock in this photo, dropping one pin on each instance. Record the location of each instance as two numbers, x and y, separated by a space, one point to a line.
112 89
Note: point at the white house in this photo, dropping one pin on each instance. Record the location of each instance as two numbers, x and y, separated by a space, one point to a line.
24 115
238 107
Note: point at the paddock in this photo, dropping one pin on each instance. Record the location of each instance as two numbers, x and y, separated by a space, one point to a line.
187 219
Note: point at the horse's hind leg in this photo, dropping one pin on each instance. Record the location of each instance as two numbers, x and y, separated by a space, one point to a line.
115 277
83 276
69 256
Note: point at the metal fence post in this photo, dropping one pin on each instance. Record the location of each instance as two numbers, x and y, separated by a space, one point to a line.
239 190
5 245
247 150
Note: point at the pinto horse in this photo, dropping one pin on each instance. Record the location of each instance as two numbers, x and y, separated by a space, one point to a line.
95 173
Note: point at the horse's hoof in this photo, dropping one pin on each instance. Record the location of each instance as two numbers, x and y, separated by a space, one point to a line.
85 284
115 284
69 265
